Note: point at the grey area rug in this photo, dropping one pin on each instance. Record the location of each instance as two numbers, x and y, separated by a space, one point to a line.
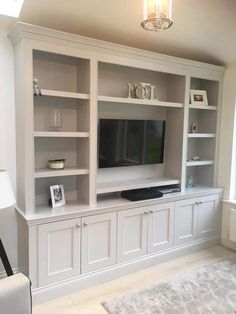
210 289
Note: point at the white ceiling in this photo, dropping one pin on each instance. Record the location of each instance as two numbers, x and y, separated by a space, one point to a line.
203 30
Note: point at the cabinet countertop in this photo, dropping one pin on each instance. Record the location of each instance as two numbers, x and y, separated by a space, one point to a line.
45 214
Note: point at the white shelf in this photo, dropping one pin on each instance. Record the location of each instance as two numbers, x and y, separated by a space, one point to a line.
201 135
199 163
139 101
203 107
61 134
110 187
56 93
49 173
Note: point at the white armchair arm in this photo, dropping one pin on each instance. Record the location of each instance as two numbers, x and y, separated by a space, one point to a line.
15 295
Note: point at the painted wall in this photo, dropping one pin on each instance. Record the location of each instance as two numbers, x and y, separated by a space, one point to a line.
227 164
8 225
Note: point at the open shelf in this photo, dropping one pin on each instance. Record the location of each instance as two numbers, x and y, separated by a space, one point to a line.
56 93
199 163
49 173
201 135
61 134
75 186
60 75
44 210
203 107
110 187
145 102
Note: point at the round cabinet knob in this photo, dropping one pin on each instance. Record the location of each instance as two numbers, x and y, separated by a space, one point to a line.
200 202
151 212
196 203
146 213
77 225
85 224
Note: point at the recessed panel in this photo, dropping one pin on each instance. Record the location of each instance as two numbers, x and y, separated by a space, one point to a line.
99 244
161 221
186 216
60 257
132 233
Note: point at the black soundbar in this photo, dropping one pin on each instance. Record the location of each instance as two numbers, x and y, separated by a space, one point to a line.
141 194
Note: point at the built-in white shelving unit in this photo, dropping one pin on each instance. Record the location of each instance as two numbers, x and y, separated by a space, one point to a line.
78 88
97 234
203 143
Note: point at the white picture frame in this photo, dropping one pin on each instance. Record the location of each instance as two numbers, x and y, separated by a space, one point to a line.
198 97
57 195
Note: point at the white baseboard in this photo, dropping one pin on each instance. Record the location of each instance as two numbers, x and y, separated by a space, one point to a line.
226 242
63 288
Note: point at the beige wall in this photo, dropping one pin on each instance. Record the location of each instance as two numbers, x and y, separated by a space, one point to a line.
8 226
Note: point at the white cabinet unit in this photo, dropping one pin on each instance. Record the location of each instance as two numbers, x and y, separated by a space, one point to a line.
185 221
132 233
145 230
160 227
196 219
208 216
59 251
98 241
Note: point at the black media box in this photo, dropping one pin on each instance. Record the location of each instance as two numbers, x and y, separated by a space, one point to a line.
141 194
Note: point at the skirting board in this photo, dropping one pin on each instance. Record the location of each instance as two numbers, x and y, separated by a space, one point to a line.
85 281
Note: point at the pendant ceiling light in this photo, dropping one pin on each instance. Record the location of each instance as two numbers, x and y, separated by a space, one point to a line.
157 15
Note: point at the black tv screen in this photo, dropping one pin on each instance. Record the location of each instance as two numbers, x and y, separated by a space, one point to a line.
130 142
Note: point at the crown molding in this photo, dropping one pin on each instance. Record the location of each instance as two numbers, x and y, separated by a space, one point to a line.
34 32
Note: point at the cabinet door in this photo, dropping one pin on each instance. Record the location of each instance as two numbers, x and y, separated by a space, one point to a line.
208 216
160 227
132 234
185 221
98 241
59 251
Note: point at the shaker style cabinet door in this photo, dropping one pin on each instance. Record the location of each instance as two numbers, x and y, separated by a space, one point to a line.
59 251
160 227
185 221
208 216
98 241
132 234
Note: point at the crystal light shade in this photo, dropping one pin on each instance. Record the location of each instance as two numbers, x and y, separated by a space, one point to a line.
7 197
157 15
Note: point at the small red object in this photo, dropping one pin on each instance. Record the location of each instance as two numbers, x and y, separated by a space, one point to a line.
193 127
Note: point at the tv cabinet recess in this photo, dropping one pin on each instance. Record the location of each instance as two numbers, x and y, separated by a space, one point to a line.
86 80
110 187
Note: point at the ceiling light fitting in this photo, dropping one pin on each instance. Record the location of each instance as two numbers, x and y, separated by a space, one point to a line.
11 7
157 15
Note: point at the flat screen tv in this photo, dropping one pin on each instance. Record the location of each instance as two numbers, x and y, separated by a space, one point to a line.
130 142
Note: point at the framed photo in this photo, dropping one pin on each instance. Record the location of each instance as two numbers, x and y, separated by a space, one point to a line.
57 195
198 97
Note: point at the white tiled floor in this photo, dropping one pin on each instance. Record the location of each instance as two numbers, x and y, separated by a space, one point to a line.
89 301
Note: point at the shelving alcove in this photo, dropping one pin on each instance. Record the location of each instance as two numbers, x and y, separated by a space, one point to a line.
97 235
